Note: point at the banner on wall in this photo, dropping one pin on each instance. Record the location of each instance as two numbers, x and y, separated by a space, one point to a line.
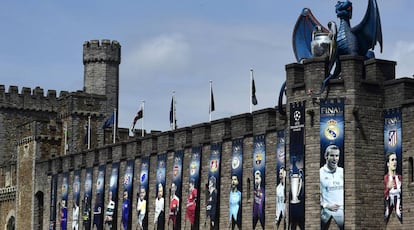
142 193
213 200
393 164
193 187
98 209
76 199
280 178
87 198
159 217
63 204
110 219
331 162
297 161
127 194
53 194
175 191
259 166
235 197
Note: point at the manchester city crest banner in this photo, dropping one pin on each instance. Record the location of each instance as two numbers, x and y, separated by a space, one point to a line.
159 189
281 178
235 197
259 166
297 162
87 198
193 201
331 162
176 191
393 164
53 194
113 192
212 212
142 206
76 198
127 194
64 201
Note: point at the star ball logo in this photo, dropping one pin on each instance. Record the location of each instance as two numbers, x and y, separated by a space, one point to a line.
331 131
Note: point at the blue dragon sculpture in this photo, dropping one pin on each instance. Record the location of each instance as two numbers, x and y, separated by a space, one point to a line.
359 40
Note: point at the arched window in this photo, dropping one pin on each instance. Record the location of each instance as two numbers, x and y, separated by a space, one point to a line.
411 170
38 213
11 223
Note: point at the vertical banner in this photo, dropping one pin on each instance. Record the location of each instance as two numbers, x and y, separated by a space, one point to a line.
193 187
281 178
86 209
175 194
259 166
53 194
159 217
393 164
331 162
235 197
213 201
142 196
63 205
127 194
111 206
99 199
76 199
297 162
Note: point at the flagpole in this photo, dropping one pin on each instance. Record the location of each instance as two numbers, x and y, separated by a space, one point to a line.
114 130
142 124
211 91
251 90
89 131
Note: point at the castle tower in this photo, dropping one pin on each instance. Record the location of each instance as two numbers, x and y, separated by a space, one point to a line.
101 61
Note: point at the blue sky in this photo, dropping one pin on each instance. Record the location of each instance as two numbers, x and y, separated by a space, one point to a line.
177 46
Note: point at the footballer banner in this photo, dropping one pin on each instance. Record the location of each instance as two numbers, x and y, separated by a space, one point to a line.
76 197
64 201
193 201
393 164
127 194
53 194
235 197
212 212
160 191
332 162
297 161
259 166
87 199
176 191
113 191
280 177
143 192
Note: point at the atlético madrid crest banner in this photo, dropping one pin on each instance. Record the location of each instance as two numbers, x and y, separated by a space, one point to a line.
331 162
297 162
259 166
393 164
213 201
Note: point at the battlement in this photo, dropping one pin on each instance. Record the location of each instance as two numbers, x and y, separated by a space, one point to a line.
101 51
28 98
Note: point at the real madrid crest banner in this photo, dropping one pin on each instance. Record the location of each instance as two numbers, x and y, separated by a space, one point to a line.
213 202
53 193
113 189
235 197
176 190
127 182
64 201
332 161
259 166
297 162
393 164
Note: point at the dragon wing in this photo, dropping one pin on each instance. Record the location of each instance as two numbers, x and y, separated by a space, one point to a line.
369 32
302 34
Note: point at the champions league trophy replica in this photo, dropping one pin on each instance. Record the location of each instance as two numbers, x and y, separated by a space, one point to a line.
296 179
324 43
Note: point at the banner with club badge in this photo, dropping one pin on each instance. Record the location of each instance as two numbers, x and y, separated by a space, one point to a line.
213 201
280 178
193 201
63 205
297 162
160 191
176 191
235 197
127 194
98 209
53 194
259 166
113 195
393 164
332 162
143 192
87 198
76 198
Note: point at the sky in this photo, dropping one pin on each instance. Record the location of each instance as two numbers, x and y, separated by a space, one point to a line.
178 46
